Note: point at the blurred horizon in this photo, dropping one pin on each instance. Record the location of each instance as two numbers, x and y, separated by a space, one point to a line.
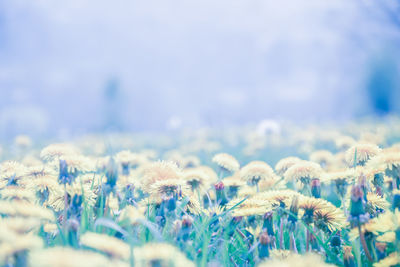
87 66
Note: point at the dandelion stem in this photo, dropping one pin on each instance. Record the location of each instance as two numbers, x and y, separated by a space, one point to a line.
281 234
293 242
364 244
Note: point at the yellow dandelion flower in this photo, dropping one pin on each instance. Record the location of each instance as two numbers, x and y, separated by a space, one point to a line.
255 232
112 246
193 206
196 178
274 183
362 153
159 172
305 260
40 171
255 171
50 228
167 187
226 162
11 172
160 254
285 163
323 157
132 214
125 157
347 175
234 181
30 160
303 170
213 211
385 222
57 199
249 207
311 203
377 201
280 254
213 177
78 163
41 184
330 218
386 160
25 209
19 243
281 198
113 204
55 151
246 191
67 257
17 193
20 225
388 237
394 148
392 260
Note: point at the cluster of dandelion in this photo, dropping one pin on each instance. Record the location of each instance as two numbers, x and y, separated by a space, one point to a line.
75 205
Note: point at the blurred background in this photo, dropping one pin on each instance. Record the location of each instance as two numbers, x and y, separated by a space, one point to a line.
77 66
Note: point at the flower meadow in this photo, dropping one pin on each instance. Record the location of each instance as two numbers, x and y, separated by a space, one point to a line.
262 195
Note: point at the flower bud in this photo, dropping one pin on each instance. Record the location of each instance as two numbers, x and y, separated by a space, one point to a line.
348 258
220 193
268 223
263 247
316 188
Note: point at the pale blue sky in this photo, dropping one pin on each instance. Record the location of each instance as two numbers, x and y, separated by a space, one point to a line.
205 62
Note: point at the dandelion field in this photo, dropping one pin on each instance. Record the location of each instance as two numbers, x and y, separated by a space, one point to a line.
248 196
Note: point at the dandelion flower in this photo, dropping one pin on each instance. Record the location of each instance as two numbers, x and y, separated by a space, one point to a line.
377 202
78 163
132 214
40 171
322 157
196 178
17 193
112 246
161 174
226 161
361 153
24 209
11 172
160 254
330 218
280 254
67 257
19 243
303 170
297 260
388 237
282 198
256 171
285 163
20 225
213 177
55 151
392 260
234 181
